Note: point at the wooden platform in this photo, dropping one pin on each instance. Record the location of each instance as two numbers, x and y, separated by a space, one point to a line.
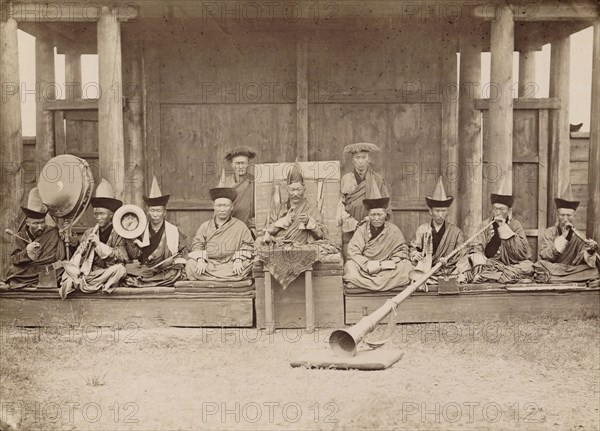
127 306
289 304
482 302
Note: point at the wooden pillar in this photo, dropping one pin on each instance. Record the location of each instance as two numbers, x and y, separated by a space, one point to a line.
302 98
133 123
45 91
593 214
72 75
501 99
110 104
11 140
560 146
470 150
449 153
527 82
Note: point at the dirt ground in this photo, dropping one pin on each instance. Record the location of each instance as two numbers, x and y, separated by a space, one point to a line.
533 375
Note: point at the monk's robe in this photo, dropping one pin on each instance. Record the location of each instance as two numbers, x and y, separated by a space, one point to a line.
439 244
501 256
157 246
386 245
286 218
220 246
243 205
23 272
564 260
106 262
354 190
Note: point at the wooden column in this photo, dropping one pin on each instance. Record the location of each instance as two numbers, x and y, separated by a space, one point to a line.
72 75
133 124
527 83
302 98
45 91
593 214
449 153
11 141
560 146
470 150
501 98
110 105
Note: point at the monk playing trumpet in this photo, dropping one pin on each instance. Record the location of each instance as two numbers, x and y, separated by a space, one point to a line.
565 255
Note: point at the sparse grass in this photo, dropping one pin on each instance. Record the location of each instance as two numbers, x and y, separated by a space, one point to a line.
541 374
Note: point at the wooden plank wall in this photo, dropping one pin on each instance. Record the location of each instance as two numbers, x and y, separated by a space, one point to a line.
221 88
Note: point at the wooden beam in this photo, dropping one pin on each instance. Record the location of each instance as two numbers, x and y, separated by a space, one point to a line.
71 105
501 96
537 11
110 104
528 87
470 150
72 76
11 144
69 11
560 143
152 103
449 150
593 214
302 98
45 91
524 103
133 123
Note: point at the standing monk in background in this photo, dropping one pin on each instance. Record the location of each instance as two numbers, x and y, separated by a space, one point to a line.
160 241
564 256
355 187
28 260
243 184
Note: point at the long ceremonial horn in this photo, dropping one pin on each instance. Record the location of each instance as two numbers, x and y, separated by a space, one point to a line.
343 342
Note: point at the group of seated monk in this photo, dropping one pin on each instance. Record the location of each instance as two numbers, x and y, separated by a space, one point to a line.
376 253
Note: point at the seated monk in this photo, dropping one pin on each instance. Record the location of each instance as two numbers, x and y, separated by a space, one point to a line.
223 246
242 182
157 247
42 248
438 238
98 263
297 220
564 256
377 253
501 253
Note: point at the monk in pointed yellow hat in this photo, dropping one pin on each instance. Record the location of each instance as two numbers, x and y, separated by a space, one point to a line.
37 246
101 255
564 256
159 253
438 237
501 254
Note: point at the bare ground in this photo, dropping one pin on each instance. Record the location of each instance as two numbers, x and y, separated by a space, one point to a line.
534 375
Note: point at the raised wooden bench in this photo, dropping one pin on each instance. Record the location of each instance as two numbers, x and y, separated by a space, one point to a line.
144 307
477 302
289 307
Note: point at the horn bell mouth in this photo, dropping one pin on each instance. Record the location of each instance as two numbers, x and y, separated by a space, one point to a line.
342 344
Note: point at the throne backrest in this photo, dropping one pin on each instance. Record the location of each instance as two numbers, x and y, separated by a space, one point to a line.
270 175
